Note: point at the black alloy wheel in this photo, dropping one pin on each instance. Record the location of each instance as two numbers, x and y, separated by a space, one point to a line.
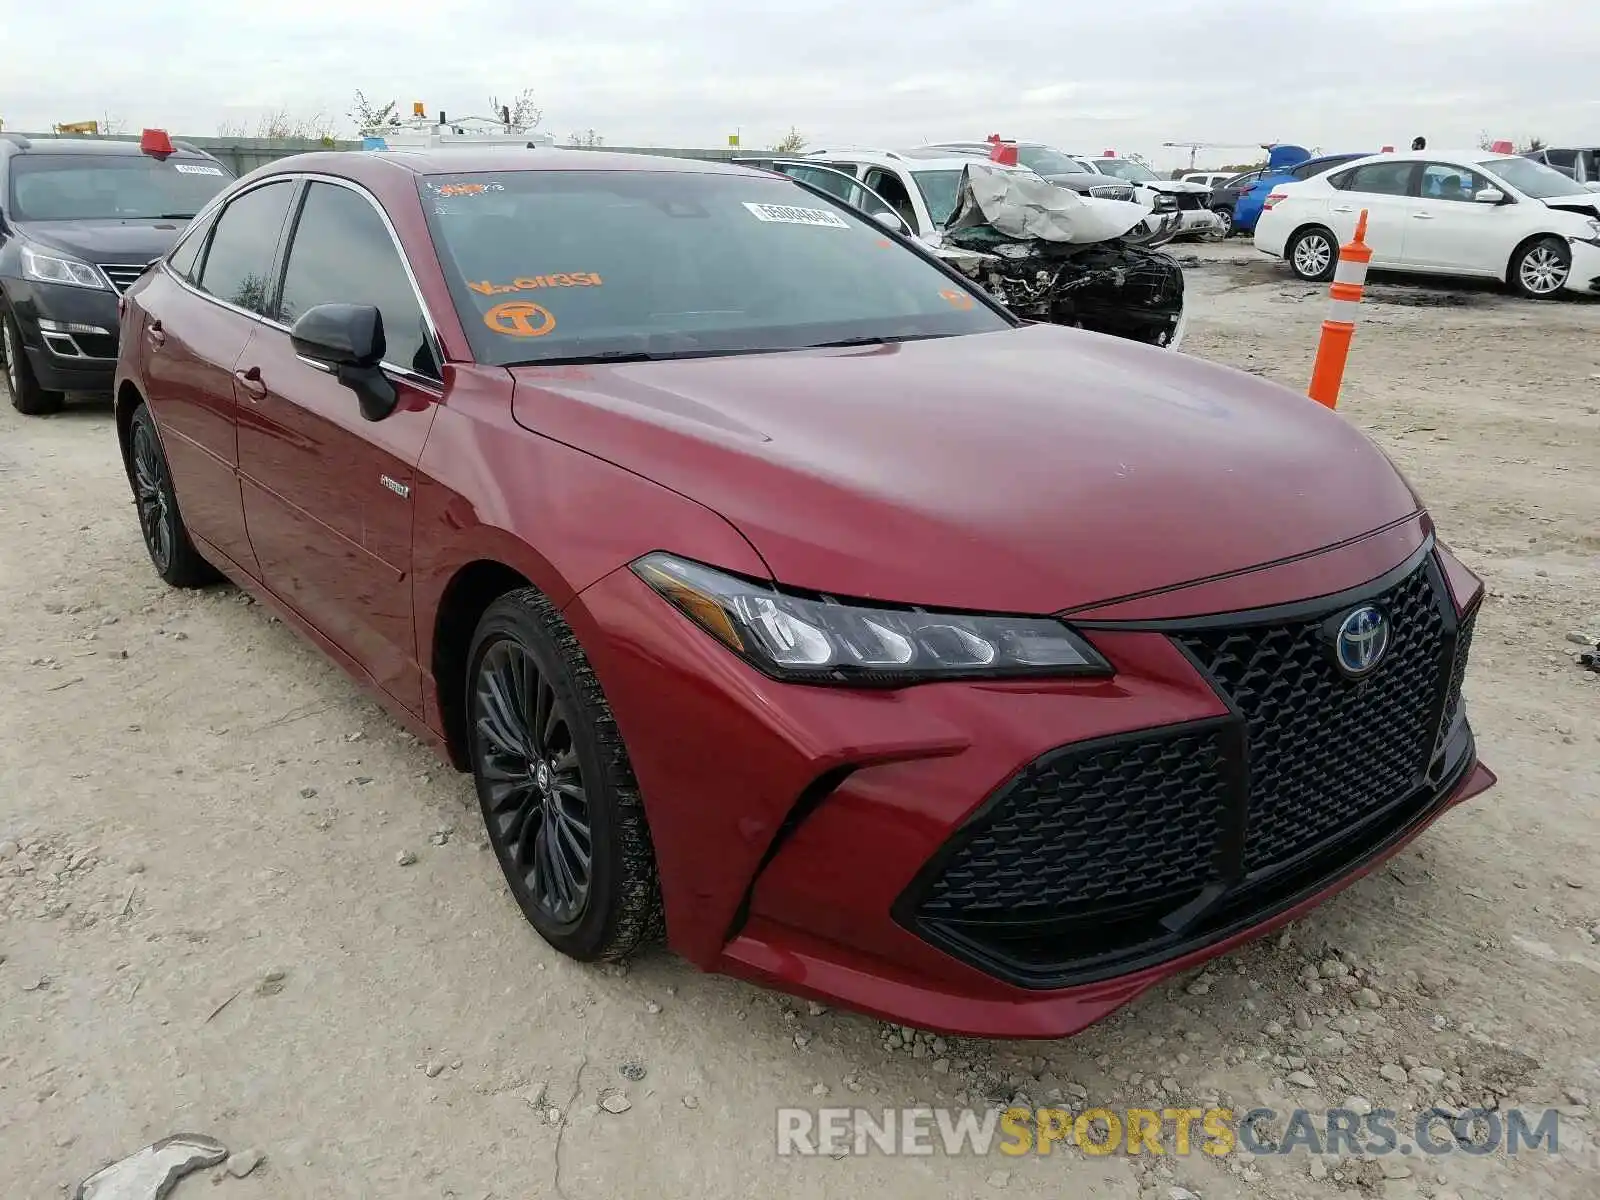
538 807
559 800
160 523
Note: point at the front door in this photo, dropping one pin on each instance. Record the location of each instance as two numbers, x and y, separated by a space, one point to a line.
1450 231
327 493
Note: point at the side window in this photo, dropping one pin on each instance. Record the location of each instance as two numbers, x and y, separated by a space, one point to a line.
1561 158
1446 181
238 264
1381 179
341 253
185 257
831 182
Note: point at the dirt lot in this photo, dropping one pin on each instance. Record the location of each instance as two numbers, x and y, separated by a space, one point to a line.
204 925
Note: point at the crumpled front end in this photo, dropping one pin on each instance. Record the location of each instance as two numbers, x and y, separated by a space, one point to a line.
1050 255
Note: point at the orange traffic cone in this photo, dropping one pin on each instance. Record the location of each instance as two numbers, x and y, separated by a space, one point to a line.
1349 284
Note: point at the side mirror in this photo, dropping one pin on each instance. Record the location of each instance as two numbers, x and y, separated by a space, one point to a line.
892 220
1490 196
346 340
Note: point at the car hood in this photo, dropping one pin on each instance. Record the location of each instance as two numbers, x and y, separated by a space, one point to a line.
1034 469
1175 186
106 241
1588 206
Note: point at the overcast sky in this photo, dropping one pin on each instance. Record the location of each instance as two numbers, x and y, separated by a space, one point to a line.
1120 74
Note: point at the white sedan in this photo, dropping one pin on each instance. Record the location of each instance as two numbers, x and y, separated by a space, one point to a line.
1475 214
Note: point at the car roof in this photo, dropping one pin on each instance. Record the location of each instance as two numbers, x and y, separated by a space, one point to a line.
925 159
23 144
453 160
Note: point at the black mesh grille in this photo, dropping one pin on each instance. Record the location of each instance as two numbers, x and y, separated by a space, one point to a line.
1097 829
1458 676
1325 752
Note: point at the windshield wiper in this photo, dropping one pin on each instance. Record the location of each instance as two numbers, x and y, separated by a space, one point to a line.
175 216
884 340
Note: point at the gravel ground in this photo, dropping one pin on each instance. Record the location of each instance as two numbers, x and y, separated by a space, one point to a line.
206 926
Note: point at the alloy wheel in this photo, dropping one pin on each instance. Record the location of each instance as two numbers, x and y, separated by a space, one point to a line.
13 352
1226 217
1312 254
1543 271
150 496
537 804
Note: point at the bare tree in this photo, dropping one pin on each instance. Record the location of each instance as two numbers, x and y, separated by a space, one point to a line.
791 143
231 129
586 140
111 125
1532 144
521 114
373 118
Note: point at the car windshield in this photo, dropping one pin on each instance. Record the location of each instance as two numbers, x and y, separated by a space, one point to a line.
107 187
1534 179
1046 161
938 190
1122 168
551 266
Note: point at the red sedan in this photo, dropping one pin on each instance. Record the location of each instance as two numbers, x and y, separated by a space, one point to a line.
783 592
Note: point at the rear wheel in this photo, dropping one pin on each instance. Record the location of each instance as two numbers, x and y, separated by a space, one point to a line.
559 799
1313 254
27 397
1539 270
165 535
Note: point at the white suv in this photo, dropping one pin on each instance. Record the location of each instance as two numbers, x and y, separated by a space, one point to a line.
1193 201
920 185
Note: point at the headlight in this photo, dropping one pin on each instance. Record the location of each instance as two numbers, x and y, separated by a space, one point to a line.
1594 232
1165 202
54 268
822 640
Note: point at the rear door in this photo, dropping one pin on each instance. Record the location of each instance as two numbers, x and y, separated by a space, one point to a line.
199 315
327 493
1449 231
1386 191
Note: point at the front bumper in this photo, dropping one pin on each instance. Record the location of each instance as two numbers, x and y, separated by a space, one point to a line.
1584 277
69 334
1019 860
1199 221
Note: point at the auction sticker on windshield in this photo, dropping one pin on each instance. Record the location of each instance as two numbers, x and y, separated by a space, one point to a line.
190 169
520 319
784 215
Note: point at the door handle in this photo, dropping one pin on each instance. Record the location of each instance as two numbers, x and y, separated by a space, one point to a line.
250 380
1422 216
1346 208
156 334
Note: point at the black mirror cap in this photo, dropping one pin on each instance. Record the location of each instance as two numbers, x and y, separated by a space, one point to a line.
340 335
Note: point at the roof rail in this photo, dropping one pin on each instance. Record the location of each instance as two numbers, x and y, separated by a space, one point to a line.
188 147
17 140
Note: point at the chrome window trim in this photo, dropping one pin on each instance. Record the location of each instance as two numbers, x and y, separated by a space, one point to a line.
430 328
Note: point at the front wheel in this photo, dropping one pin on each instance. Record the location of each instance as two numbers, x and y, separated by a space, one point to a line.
1225 231
1540 269
27 397
558 795
1313 255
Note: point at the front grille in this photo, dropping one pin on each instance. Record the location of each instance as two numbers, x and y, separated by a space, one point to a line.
122 275
1112 192
1191 200
1091 829
1325 754
1105 855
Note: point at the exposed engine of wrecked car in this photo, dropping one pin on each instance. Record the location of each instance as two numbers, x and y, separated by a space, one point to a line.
1049 255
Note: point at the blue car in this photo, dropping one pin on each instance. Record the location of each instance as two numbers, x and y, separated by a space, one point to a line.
1285 164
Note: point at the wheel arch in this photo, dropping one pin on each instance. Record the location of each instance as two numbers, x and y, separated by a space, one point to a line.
473 587
128 401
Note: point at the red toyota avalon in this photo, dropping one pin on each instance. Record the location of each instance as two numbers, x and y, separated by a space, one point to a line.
785 595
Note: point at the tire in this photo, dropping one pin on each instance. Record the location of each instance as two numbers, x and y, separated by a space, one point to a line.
166 538
553 779
1225 215
1313 254
27 397
1540 269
